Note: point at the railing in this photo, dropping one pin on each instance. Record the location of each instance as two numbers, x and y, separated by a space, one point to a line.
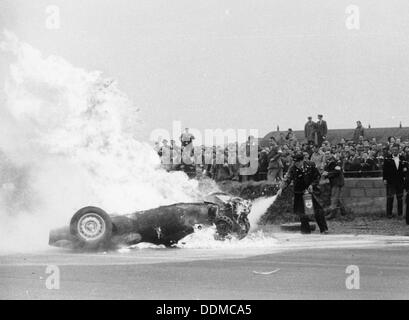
352 174
363 174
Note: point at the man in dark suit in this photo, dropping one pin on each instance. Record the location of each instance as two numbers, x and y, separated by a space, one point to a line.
407 194
321 129
394 170
406 185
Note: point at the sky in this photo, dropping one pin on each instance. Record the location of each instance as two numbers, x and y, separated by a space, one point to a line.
239 64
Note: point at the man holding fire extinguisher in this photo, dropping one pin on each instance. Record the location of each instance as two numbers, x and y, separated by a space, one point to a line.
305 177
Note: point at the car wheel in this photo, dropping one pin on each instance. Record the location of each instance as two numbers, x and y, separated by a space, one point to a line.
224 226
244 229
92 228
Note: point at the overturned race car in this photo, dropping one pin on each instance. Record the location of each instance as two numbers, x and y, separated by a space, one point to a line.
91 228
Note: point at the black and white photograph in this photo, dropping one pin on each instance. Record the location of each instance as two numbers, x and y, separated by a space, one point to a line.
220 152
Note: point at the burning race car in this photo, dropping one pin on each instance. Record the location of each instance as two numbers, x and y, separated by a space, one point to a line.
91 228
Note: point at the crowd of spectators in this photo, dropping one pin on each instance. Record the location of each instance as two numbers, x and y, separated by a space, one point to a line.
361 156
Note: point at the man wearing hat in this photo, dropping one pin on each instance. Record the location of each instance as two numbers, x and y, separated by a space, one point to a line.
309 131
305 176
322 129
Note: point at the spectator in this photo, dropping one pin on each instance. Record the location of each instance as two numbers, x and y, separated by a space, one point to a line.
262 165
391 141
221 169
321 129
275 165
334 172
186 138
356 163
342 143
405 153
245 151
367 165
309 131
281 139
393 177
292 140
175 155
289 134
358 132
209 162
318 158
406 187
165 155
234 165
272 142
156 147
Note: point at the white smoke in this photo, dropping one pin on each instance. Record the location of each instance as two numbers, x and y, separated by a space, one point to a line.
68 139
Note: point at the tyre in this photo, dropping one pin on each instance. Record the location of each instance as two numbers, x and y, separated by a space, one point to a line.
296 226
92 228
244 229
224 226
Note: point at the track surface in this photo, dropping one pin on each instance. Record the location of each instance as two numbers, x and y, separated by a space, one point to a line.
310 267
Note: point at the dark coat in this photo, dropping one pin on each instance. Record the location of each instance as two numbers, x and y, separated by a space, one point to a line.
274 159
309 130
302 178
359 131
368 165
336 177
392 175
262 162
322 128
405 158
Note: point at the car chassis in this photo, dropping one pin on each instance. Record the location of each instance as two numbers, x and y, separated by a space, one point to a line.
91 228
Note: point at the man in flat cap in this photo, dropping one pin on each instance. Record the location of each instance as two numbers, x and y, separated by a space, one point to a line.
305 177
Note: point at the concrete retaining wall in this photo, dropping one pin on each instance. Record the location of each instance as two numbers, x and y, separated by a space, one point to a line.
362 196
365 195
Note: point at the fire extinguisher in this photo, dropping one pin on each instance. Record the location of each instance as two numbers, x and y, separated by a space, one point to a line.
309 209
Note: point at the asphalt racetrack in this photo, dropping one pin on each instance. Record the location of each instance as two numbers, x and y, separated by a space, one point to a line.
292 266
